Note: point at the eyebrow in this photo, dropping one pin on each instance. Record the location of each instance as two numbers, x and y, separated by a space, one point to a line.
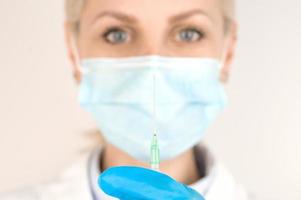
188 14
120 16
132 19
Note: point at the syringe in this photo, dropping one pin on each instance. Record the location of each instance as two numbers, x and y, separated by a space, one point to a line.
155 153
154 149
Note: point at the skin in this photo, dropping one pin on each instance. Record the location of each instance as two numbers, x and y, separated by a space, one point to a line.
121 28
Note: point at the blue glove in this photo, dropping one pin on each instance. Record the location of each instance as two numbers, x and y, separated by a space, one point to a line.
133 183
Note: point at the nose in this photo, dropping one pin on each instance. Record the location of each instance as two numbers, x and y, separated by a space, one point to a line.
153 44
151 49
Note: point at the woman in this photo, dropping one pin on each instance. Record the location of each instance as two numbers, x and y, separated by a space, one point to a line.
144 68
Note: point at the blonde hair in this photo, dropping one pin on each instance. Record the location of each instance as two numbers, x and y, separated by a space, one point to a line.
73 9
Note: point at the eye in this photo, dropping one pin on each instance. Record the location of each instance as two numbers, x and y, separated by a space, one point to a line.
189 35
115 36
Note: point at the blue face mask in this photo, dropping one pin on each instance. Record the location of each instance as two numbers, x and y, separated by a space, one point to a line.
119 92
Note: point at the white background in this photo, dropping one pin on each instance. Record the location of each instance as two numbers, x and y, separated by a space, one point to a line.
258 137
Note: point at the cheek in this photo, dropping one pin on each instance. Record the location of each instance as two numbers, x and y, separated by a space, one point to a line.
93 46
89 48
207 48
216 45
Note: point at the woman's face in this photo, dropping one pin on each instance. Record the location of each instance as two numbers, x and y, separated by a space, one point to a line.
119 28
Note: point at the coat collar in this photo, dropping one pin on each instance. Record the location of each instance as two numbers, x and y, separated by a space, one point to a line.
217 184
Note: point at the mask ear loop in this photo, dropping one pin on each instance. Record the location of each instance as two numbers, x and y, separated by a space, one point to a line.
224 75
79 70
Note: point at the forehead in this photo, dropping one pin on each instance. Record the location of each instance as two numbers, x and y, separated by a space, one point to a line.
156 10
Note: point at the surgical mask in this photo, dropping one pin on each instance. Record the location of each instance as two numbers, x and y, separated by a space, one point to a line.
119 92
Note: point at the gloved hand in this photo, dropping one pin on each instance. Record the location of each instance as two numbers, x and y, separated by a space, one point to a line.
133 183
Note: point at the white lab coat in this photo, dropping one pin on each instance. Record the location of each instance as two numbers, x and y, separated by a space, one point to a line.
74 184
